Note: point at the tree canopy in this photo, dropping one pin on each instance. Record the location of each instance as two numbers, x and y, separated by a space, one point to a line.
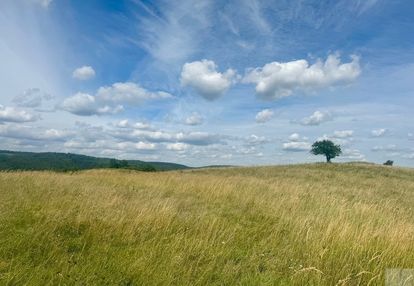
327 148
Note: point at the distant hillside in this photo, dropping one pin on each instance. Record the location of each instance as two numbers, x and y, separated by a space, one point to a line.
11 160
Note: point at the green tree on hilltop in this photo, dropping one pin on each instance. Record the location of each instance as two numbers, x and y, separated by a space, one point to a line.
327 148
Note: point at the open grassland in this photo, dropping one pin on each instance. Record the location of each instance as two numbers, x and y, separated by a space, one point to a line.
314 224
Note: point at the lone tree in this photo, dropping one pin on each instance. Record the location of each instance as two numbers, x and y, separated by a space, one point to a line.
327 148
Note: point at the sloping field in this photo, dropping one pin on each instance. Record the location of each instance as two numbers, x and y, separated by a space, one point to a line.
289 225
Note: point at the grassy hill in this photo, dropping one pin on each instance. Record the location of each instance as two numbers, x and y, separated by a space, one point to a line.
316 224
10 160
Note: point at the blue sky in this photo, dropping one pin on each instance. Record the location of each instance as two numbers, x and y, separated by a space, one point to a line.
208 82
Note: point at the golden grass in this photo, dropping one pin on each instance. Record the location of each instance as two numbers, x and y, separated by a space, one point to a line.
314 224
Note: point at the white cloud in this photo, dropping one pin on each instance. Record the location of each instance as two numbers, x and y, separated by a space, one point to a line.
84 73
294 137
204 78
128 92
145 146
80 103
343 134
194 119
12 114
409 156
198 138
109 100
379 132
247 151
177 146
30 133
387 148
192 138
106 145
31 97
85 105
123 123
54 134
352 154
346 138
137 125
297 143
264 115
276 80
296 146
316 118
256 140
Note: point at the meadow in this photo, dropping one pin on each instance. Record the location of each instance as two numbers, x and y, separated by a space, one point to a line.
311 224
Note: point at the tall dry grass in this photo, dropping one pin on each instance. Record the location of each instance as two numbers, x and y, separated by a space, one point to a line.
289 225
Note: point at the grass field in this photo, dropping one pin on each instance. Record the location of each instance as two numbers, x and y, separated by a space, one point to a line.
318 224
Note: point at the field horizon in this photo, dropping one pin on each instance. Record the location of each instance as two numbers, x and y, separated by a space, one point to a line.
315 224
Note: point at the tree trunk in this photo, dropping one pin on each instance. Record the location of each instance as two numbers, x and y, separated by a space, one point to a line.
328 159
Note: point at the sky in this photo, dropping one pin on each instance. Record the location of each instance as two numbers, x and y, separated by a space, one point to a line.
204 82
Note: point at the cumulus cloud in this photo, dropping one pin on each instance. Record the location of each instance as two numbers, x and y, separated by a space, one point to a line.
194 119
276 80
199 138
145 146
140 146
296 143
107 145
353 154
84 73
12 114
256 140
294 137
31 97
409 156
247 151
387 148
264 115
341 138
192 138
110 99
379 132
129 93
30 133
125 123
316 118
85 105
177 146
296 146
343 134
203 77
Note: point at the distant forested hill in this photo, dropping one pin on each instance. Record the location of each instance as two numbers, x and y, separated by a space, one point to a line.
11 160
